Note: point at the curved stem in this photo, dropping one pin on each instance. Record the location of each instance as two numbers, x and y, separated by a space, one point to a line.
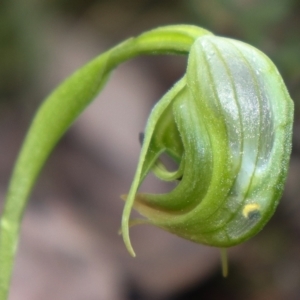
59 111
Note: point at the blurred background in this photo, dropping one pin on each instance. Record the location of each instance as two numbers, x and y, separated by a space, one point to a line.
69 246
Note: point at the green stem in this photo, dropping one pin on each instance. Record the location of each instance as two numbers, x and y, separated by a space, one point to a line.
59 111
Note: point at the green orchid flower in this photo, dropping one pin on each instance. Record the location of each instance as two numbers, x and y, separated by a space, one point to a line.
227 124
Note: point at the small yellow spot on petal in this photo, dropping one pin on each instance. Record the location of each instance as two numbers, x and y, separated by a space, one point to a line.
250 208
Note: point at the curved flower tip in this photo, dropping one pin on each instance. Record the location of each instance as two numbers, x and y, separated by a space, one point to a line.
228 125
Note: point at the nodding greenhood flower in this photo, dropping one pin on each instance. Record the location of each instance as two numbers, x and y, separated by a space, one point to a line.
228 125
